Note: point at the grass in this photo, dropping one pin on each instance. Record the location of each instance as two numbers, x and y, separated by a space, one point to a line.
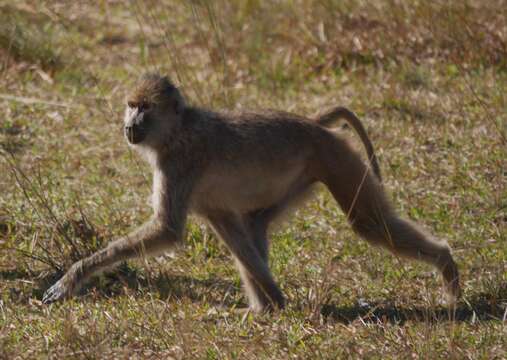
427 78
28 37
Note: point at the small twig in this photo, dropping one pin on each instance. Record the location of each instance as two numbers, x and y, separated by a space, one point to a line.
28 101
486 109
30 255
24 184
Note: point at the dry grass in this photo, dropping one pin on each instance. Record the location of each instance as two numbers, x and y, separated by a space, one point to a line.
27 37
429 80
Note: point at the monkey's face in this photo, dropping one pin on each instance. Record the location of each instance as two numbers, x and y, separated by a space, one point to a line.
150 124
137 121
154 111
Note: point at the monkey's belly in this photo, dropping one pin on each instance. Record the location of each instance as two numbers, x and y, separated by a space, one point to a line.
244 189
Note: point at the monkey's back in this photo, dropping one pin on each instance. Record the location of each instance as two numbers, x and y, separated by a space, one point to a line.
255 136
255 158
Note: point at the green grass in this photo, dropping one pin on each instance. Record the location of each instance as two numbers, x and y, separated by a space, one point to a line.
427 78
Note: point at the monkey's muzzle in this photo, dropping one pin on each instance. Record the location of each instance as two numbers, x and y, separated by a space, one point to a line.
134 134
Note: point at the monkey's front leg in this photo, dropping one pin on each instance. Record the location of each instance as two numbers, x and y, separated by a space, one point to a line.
151 238
261 289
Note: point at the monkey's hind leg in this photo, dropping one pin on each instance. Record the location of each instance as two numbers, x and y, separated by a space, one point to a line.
404 238
362 199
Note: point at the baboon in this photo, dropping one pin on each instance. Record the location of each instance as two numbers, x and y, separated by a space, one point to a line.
241 171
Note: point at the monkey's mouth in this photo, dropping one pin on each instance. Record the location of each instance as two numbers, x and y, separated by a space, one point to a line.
134 134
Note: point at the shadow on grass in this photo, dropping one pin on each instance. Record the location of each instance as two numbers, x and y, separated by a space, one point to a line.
215 291
477 307
218 292
211 290
14 274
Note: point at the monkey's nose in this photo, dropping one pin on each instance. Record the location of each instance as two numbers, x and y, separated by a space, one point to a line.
134 133
129 133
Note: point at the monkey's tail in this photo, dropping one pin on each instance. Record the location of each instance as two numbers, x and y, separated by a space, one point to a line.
332 116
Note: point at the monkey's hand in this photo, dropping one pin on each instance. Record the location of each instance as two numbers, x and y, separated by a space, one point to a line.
63 288
56 292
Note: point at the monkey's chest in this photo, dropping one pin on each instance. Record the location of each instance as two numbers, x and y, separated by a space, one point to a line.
244 188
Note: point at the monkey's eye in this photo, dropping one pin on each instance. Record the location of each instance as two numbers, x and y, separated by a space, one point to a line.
143 106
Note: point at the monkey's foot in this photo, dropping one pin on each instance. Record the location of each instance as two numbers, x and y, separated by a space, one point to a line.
451 282
58 291
453 292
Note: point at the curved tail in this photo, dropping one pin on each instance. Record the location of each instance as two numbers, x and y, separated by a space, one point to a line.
332 116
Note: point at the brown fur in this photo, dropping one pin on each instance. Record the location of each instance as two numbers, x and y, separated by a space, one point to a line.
331 116
240 171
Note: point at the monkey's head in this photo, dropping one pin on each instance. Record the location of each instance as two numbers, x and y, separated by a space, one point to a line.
153 111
